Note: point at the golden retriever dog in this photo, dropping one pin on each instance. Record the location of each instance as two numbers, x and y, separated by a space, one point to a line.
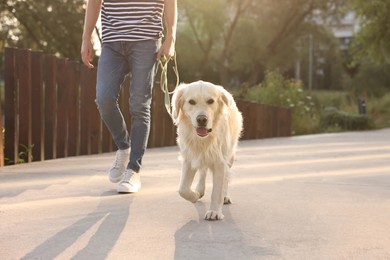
208 127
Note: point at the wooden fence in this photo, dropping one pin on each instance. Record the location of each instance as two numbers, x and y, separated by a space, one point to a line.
50 112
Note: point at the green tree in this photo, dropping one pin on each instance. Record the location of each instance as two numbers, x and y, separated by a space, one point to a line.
373 39
54 26
369 57
206 33
223 40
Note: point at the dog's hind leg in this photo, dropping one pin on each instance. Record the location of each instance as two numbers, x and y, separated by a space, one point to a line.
226 198
187 177
201 187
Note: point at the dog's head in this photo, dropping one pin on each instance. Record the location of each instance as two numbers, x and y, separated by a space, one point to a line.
201 103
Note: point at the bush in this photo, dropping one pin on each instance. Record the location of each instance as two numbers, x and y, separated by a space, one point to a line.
319 111
278 91
332 118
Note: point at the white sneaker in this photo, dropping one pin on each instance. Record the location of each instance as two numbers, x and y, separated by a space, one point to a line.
115 173
130 183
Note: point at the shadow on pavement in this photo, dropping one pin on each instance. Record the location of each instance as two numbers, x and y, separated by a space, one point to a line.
215 239
112 222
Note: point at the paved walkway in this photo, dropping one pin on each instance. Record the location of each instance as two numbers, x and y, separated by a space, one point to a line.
309 197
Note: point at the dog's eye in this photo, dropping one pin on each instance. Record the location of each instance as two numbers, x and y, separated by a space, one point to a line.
192 102
210 101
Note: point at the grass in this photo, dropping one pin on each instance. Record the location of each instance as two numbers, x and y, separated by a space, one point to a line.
379 110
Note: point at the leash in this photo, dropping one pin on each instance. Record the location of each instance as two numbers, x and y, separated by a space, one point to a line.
163 64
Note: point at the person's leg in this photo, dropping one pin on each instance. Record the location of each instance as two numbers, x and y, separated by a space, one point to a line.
142 63
112 68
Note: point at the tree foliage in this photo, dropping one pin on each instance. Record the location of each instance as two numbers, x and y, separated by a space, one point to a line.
229 42
373 39
238 39
54 26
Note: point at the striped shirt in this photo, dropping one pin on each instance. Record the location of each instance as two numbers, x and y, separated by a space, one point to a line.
131 20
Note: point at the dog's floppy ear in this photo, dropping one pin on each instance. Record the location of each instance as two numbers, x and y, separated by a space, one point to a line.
226 97
177 102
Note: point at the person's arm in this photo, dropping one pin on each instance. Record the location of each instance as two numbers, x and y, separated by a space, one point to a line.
91 17
170 14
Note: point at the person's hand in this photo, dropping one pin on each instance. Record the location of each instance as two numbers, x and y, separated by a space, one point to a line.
87 53
167 49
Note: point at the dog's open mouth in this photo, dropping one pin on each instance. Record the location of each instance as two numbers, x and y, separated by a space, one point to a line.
203 131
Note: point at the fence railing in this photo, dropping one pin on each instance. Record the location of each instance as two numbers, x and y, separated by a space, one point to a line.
50 112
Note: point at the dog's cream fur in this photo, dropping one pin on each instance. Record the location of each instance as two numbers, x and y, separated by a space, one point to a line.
210 147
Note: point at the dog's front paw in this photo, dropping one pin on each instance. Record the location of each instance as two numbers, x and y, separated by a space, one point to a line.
213 215
190 195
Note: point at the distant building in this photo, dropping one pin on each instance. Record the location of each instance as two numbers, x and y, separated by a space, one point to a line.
345 29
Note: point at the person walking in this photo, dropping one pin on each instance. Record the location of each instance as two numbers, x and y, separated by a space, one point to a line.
132 33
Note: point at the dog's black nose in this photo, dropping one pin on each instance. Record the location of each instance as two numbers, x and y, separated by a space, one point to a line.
202 120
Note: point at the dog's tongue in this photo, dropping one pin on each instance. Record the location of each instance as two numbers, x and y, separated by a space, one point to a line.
201 131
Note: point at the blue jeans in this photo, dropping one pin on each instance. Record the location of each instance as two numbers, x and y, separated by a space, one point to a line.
116 61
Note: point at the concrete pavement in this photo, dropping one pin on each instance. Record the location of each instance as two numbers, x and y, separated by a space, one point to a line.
321 196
